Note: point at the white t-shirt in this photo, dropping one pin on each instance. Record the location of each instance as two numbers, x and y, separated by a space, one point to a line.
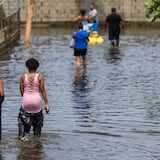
93 13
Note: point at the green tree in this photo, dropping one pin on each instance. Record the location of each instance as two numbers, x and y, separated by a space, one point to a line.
152 10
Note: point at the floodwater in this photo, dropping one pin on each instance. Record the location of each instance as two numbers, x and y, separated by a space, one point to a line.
109 112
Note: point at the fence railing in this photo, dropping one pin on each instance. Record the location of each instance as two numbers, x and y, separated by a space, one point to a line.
9 14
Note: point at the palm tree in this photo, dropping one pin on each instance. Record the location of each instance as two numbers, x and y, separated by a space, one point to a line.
29 22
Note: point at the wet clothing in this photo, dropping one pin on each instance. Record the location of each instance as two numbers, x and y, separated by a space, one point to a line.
114 20
31 101
95 26
31 110
81 38
80 52
1 99
26 120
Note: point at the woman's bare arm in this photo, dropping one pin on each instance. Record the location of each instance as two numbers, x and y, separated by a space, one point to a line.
43 92
22 85
1 92
76 19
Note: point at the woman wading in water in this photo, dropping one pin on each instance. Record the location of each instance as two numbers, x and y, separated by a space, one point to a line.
31 88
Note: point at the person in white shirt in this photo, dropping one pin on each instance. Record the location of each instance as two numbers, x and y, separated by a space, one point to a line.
92 16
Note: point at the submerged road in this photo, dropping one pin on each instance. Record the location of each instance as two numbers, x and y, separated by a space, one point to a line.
109 112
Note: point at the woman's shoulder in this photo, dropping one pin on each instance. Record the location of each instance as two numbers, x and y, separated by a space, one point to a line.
40 76
23 76
83 18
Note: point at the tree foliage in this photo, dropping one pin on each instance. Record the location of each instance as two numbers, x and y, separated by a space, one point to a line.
152 10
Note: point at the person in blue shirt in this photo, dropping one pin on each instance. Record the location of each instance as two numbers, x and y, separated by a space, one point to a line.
80 49
95 26
94 29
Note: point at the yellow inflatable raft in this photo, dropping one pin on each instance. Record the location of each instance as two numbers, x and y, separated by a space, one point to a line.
94 38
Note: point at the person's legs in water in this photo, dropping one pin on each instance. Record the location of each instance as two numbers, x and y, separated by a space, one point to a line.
77 56
111 37
37 124
84 62
117 33
78 63
84 58
117 42
21 129
24 124
112 43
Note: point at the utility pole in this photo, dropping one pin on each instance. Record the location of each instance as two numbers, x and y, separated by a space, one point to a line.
29 22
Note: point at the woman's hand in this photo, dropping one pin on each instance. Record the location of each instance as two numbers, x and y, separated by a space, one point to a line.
47 108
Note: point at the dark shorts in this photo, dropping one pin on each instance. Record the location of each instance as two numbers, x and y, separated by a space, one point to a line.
114 34
80 52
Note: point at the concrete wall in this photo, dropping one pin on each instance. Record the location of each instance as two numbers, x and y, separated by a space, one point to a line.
51 10
130 10
66 10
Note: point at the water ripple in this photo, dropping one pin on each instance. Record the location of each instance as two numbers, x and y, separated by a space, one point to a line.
111 110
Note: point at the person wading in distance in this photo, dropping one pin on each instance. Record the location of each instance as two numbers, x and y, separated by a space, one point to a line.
115 26
80 50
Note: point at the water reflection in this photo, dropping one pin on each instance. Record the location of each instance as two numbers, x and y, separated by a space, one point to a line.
112 54
153 112
4 57
81 100
1 157
117 96
31 150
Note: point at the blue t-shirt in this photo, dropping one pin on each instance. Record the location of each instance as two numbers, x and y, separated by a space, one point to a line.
95 27
81 39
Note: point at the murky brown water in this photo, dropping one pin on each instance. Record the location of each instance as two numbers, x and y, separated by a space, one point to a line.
111 112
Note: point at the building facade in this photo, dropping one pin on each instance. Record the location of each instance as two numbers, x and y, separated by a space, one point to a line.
64 11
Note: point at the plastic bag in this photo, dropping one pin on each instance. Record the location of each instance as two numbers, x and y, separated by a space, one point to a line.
72 43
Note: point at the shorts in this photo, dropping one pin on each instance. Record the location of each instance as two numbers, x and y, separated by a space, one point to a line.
114 34
80 52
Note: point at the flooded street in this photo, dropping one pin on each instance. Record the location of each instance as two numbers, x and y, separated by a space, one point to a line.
109 112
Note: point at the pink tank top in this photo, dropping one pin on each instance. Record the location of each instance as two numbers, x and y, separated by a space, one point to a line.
31 101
